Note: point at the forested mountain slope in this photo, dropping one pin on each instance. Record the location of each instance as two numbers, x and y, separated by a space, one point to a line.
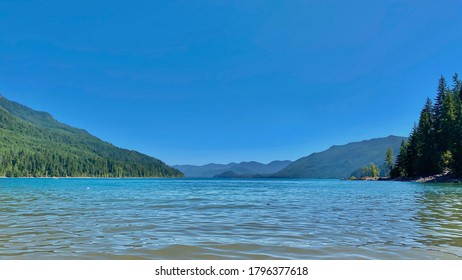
33 143
341 161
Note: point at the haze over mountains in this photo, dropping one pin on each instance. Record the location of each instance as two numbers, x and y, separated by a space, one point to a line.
335 162
341 161
242 168
34 144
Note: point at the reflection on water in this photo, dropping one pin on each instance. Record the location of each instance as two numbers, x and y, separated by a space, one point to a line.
228 219
440 217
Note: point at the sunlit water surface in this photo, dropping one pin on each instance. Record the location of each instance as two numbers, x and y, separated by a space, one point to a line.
228 219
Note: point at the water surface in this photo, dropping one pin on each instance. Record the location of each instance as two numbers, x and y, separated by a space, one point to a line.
228 219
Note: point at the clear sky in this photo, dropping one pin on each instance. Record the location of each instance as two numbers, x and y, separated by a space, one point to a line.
220 81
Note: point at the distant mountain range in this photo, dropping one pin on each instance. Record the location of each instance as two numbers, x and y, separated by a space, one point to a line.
243 169
341 161
335 162
34 144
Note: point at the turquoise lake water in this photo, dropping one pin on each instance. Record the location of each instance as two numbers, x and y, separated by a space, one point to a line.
228 219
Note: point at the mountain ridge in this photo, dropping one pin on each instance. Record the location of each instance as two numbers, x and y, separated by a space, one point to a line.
339 161
242 168
34 144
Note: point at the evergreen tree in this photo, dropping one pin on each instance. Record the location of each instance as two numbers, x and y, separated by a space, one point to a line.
457 129
442 89
412 153
399 170
426 160
457 155
457 87
437 111
448 123
434 145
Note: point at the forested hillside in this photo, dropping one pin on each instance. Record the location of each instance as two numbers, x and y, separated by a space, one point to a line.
435 143
34 144
341 161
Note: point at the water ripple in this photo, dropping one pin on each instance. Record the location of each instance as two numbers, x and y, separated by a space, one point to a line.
228 219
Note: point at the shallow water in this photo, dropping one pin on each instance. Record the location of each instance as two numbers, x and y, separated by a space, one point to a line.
228 219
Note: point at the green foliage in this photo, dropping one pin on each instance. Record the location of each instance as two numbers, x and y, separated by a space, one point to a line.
438 107
342 161
447 160
399 169
435 144
389 160
367 171
375 172
34 144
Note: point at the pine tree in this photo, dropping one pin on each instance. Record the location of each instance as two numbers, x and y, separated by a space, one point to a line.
434 145
457 87
399 170
412 153
437 111
457 129
457 155
426 158
448 123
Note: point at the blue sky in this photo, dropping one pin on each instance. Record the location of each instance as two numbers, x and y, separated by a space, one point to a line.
221 81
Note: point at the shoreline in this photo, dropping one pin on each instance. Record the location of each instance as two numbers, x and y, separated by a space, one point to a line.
4 177
438 178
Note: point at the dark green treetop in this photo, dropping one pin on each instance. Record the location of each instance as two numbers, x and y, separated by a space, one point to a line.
435 143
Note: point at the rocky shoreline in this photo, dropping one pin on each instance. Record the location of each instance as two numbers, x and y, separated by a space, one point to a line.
438 178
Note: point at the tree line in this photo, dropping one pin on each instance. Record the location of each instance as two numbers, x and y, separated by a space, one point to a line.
434 145
49 163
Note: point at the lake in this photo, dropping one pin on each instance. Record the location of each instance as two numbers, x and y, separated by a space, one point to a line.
228 219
